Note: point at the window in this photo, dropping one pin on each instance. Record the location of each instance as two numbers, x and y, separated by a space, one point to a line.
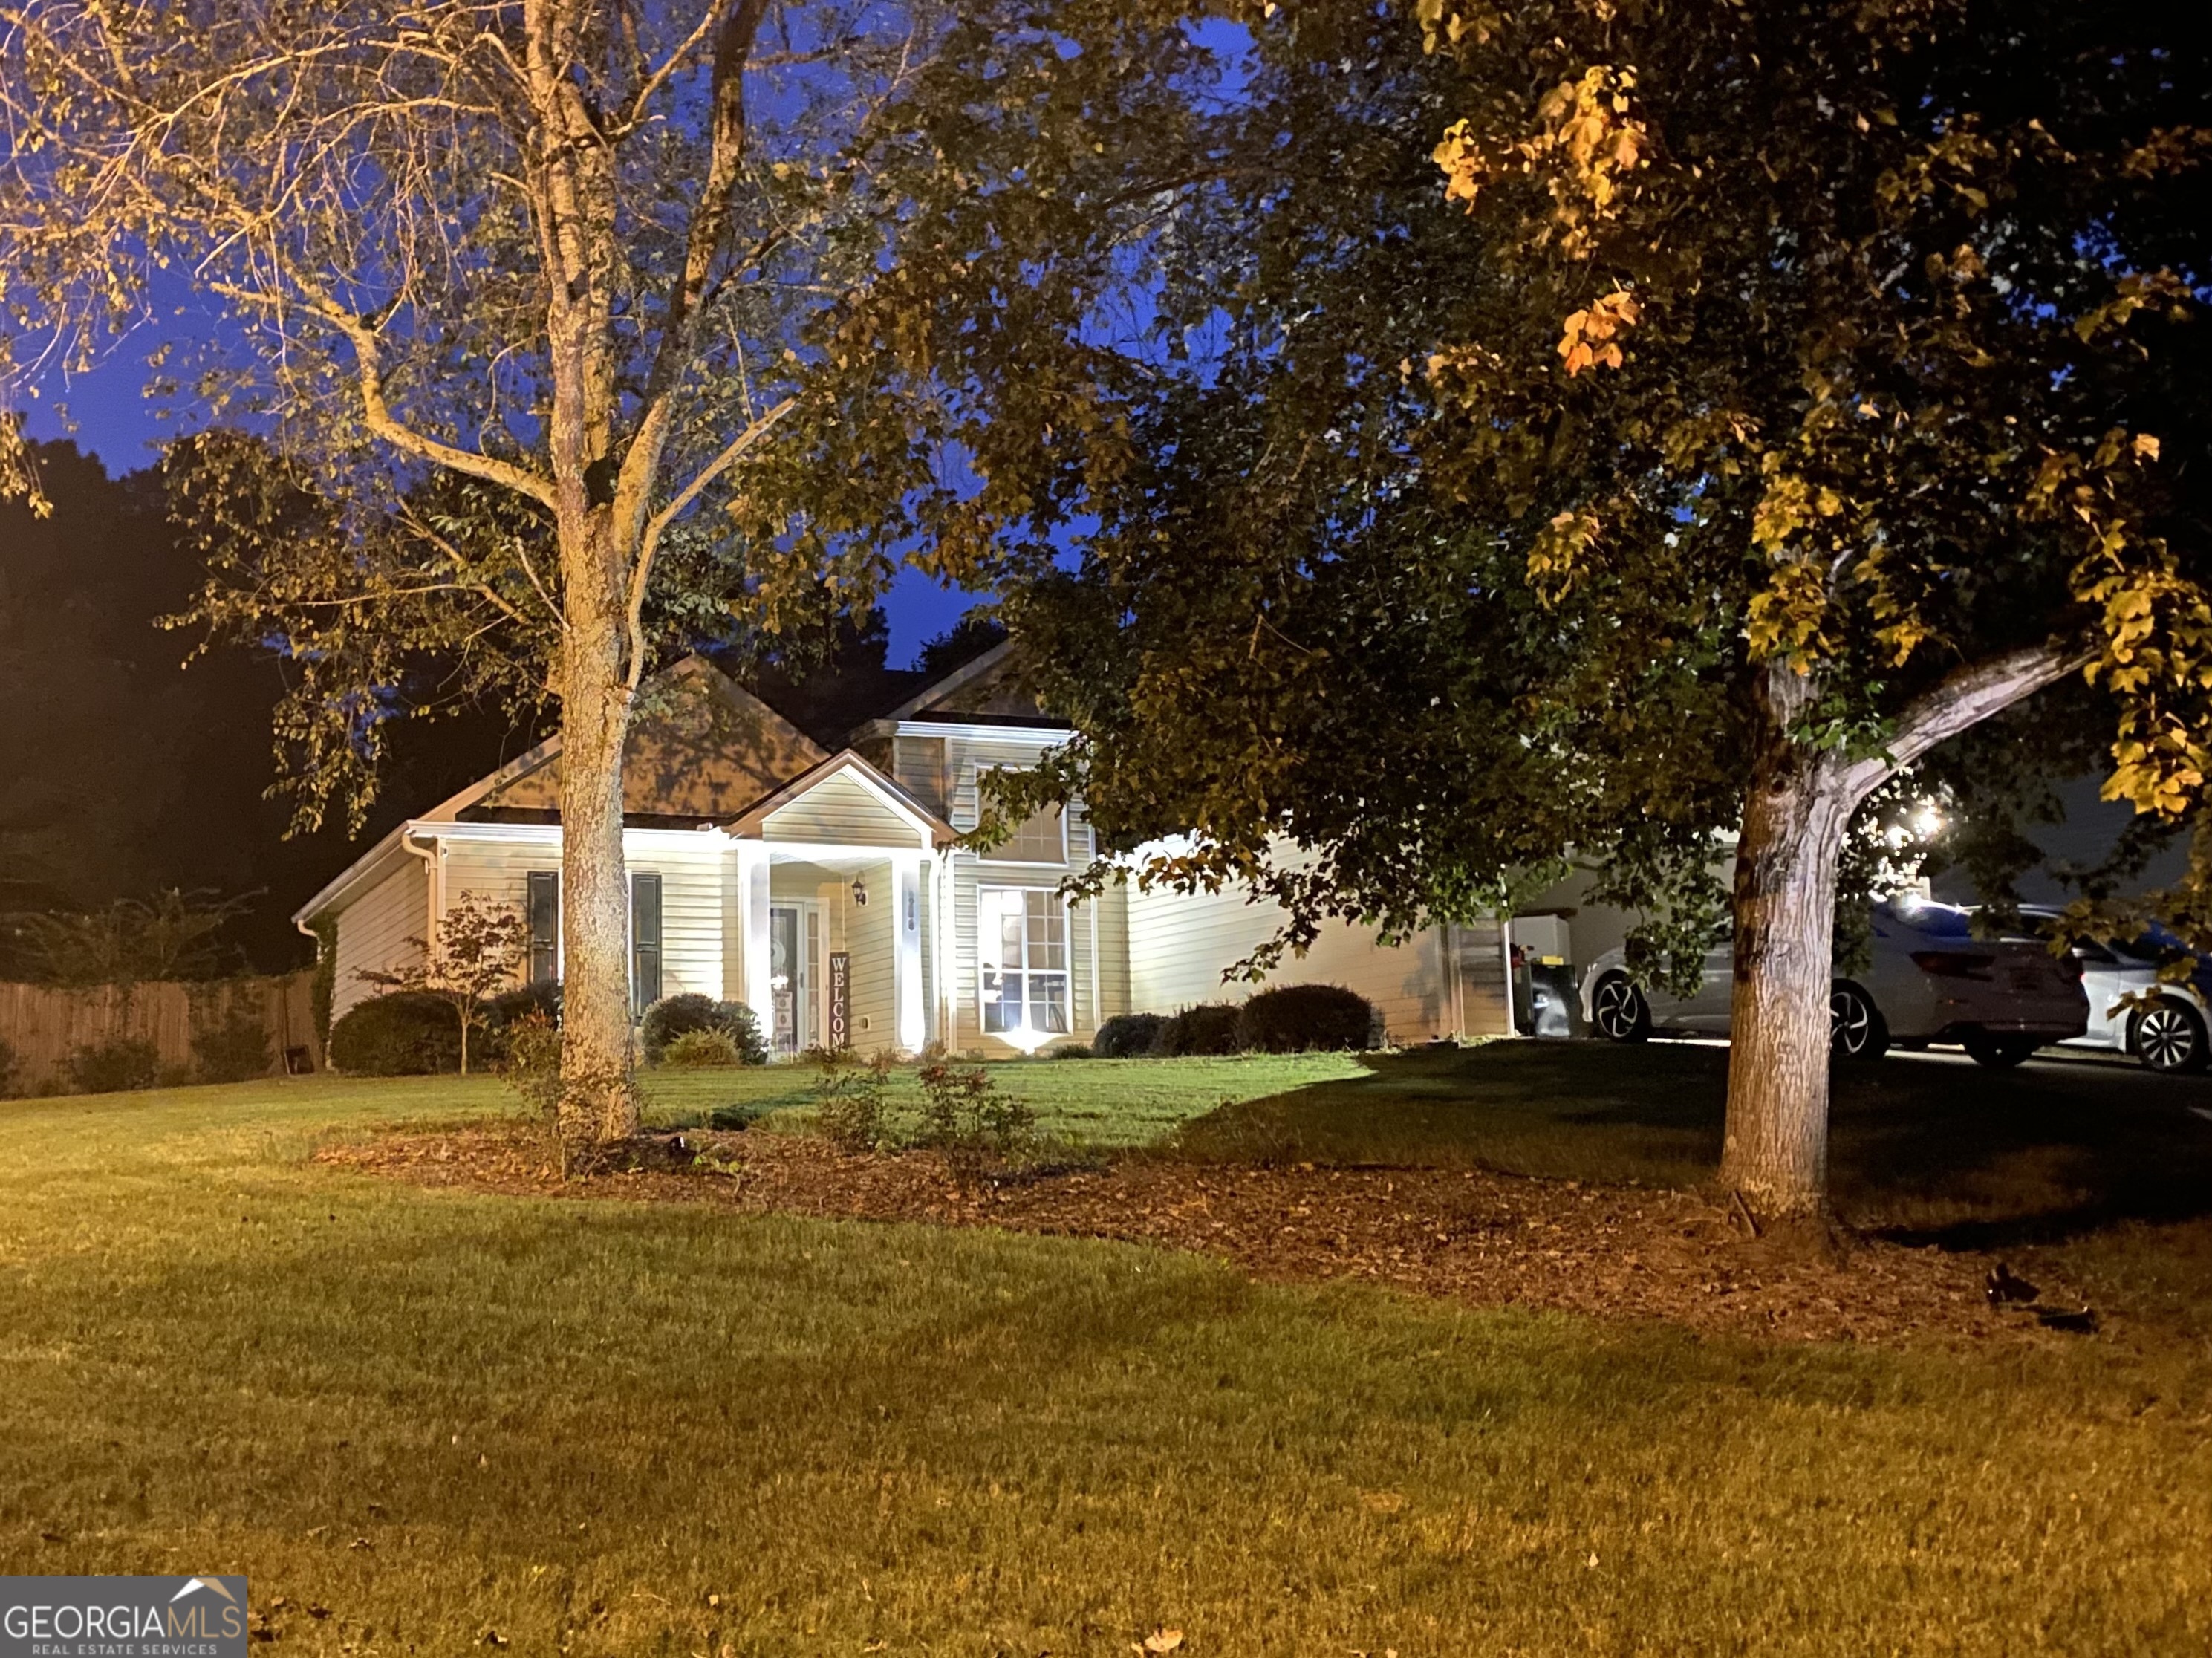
1042 839
544 908
644 941
1023 949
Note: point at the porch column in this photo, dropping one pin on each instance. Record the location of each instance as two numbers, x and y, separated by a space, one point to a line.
752 919
910 1019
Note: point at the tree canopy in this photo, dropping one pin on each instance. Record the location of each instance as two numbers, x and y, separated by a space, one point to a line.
528 301
1580 426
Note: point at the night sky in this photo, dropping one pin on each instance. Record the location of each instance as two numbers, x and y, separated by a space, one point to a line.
112 419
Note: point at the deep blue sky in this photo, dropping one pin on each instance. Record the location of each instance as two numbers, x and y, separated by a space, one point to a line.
113 419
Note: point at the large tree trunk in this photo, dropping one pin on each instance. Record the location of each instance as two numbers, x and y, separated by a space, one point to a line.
1776 1151
1800 806
599 1104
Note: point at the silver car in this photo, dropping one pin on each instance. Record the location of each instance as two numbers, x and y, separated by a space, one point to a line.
1929 980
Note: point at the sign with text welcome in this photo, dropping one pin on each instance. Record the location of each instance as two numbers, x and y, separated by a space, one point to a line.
841 999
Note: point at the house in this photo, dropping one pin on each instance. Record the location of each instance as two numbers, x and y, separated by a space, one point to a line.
829 890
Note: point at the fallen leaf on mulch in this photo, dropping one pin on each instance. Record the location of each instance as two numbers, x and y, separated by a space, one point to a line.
1483 1239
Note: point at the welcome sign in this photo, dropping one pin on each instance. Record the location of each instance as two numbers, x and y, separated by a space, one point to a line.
841 999
123 1618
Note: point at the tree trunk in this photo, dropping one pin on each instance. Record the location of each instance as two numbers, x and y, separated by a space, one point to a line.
599 1102
1776 1149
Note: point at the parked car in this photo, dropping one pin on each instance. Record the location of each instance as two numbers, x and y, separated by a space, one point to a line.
1929 980
2163 1025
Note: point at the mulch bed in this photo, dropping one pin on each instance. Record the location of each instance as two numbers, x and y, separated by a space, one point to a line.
1483 1239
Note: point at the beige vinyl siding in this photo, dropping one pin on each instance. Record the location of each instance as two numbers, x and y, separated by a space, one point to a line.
918 766
691 897
1113 923
690 916
839 811
869 939
965 756
1180 944
497 870
374 931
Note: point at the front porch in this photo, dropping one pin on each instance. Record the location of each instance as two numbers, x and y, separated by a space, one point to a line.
832 911
828 946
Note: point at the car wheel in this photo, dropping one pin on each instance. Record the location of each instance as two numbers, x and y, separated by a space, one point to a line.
1857 1029
2168 1036
2000 1053
1619 1010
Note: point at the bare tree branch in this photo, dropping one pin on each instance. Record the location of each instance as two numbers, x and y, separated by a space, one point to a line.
1964 699
642 574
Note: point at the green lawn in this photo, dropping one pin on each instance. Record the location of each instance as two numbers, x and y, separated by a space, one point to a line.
609 1428
1107 1103
2093 1166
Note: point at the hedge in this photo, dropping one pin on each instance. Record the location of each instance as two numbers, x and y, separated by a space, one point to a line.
1209 1028
1127 1037
673 1015
408 1034
1293 1019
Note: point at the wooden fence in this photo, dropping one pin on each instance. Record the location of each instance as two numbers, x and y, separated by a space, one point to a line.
42 1027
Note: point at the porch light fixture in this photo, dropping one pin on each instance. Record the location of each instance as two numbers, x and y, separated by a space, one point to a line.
860 893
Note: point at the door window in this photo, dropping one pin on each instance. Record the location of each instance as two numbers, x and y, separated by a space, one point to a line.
783 975
644 941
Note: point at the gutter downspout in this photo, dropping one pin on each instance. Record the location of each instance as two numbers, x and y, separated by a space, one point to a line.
433 882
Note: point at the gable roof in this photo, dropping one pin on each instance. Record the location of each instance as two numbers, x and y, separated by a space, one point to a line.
700 748
847 764
980 692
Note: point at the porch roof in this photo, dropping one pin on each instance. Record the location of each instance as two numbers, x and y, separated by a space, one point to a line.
930 830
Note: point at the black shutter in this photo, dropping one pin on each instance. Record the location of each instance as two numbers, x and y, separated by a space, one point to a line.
644 941
544 926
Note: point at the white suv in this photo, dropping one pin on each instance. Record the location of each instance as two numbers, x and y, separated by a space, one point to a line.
1929 980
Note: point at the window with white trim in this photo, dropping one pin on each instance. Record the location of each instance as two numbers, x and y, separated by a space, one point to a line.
1041 838
1022 951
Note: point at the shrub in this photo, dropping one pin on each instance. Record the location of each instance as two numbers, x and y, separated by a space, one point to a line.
235 1050
702 1050
672 1016
409 1033
1209 1028
849 1092
503 1010
114 1067
502 1013
967 1119
1293 1019
1068 1051
7 1071
1127 1036
532 1041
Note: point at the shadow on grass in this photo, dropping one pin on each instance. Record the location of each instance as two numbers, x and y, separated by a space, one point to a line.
1926 1148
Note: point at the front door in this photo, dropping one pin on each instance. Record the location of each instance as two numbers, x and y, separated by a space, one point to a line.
794 951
